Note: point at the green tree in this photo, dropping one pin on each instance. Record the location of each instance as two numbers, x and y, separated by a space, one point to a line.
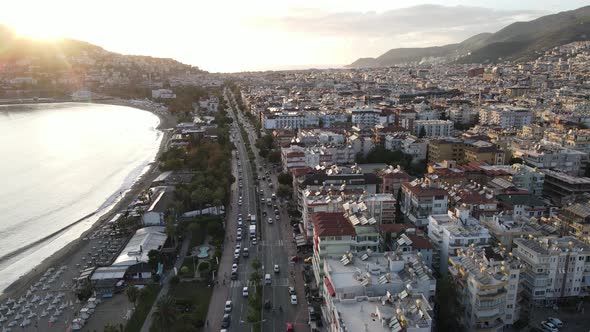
274 156
132 294
399 217
256 265
284 191
113 328
165 313
422 132
285 178
154 258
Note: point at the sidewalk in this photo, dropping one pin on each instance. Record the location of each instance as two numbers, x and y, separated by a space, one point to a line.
166 285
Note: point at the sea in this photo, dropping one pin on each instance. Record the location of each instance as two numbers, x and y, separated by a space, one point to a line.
62 166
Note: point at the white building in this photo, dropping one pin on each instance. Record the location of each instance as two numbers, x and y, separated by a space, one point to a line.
365 117
505 116
554 268
433 128
487 283
450 232
163 94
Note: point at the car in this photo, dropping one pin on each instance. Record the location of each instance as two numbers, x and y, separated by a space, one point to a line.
240 202
234 268
245 252
236 259
270 220
276 268
291 290
293 299
245 291
290 327
267 304
555 321
264 213
234 275
227 308
238 246
267 280
241 185
240 223
254 242
239 231
548 326
239 237
277 218
225 321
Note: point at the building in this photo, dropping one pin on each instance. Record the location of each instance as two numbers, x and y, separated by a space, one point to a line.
433 128
553 157
392 179
445 149
555 269
163 94
526 177
576 219
135 254
381 291
450 232
562 188
487 284
365 117
420 200
505 116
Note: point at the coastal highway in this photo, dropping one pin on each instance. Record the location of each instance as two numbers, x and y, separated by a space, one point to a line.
274 246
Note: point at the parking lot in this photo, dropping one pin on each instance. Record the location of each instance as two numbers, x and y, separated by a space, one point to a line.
573 321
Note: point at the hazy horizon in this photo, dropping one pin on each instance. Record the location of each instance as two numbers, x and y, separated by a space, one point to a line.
234 36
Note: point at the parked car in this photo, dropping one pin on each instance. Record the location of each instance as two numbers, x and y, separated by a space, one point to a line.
555 321
270 220
245 252
291 290
293 299
290 327
549 327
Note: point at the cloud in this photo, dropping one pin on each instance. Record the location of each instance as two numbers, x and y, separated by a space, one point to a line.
422 25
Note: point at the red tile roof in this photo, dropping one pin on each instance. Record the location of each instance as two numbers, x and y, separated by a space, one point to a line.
331 224
419 242
418 190
395 228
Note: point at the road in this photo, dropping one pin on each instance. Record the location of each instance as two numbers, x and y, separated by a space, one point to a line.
274 247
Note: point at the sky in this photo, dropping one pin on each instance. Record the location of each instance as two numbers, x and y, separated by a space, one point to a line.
244 35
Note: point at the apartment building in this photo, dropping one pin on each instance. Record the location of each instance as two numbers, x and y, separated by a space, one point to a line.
576 219
452 231
445 149
433 128
487 284
505 116
563 188
392 179
553 157
555 269
420 200
365 117
380 292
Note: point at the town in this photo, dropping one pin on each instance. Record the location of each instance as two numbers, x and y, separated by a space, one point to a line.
418 197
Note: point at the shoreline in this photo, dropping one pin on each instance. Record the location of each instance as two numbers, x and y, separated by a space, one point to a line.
142 182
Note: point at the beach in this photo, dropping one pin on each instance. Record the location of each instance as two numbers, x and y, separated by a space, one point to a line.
72 251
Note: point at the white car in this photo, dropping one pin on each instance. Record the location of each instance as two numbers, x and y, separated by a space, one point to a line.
270 221
245 292
293 299
227 307
238 246
555 321
234 268
239 237
276 268
240 202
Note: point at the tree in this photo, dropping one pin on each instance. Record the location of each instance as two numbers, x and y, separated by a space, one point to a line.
422 132
165 313
256 265
285 178
399 217
154 258
284 191
274 156
132 294
113 328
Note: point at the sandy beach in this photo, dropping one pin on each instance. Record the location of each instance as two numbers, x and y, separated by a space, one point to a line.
70 251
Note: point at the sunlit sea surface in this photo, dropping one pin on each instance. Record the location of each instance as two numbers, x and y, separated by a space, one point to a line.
58 164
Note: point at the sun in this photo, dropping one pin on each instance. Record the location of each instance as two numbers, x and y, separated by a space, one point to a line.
38 32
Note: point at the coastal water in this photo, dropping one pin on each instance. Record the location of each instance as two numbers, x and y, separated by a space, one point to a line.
59 164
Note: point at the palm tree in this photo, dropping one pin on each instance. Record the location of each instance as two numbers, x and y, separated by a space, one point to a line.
113 328
165 313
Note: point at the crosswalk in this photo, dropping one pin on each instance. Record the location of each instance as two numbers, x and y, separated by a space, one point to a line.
267 243
283 282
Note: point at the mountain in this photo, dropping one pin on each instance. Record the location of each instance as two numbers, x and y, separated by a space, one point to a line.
519 41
